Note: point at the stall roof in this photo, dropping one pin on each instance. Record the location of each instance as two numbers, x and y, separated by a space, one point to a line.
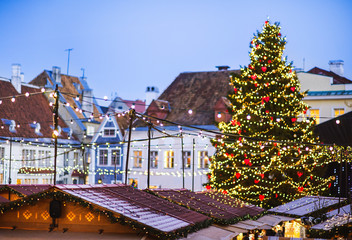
219 206
337 217
25 189
137 205
305 205
212 233
265 222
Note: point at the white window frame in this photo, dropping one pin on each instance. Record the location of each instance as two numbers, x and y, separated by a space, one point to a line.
169 161
202 158
137 159
107 157
117 158
154 159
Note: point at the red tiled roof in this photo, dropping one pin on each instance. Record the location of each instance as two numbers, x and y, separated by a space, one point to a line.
139 105
26 190
78 173
25 111
198 91
337 79
34 170
220 207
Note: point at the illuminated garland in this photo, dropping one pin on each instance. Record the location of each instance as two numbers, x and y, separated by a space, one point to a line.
287 161
50 194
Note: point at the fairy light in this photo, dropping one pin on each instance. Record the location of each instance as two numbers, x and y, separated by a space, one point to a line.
13 99
190 112
27 94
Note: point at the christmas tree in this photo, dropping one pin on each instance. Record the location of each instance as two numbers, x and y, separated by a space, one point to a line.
268 154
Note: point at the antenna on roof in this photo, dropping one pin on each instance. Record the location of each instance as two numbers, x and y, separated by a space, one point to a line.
68 59
82 72
304 63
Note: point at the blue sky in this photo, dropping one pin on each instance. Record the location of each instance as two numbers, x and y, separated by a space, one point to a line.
127 45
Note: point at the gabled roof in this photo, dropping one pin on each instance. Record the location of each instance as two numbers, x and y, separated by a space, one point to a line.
25 111
198 91
127 205
70 88
223 209
25 190
337 79
306 205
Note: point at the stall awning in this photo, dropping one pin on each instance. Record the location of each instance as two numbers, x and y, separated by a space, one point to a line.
212 233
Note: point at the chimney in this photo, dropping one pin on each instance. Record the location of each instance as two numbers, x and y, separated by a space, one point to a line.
222 68
336 66
151 94
56 73
87 97
16 77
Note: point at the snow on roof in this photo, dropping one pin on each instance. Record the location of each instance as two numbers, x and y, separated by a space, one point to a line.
337 217
305 205
113 198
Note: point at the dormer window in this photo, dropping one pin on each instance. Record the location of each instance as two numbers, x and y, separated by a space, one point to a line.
12 127
109 129
109 132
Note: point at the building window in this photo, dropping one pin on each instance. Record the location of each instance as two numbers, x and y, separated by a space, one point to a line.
203 159
90 130
338 112
2 155
28 158
45 181
169 159
66 158
186 156
115 157
75 159
315 114
47 158
137 155
108 132
154 159
133 182
103 157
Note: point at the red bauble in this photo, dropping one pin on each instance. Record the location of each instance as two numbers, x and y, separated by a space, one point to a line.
276 195
254 77
300 189
293 89
261 197
269 61
329 185
256 181
262 175
208 187
263 69
235 89
250 66
224 192
238 175
255 84
299 174
247 161
293 119
234 122
279 34
266 111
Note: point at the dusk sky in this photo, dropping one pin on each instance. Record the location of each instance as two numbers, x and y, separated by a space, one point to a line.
125 46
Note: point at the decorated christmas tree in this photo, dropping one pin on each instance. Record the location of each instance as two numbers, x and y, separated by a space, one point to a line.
268 154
